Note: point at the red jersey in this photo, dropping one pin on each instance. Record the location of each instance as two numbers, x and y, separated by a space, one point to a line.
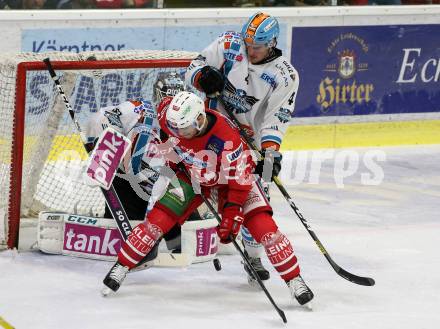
218 158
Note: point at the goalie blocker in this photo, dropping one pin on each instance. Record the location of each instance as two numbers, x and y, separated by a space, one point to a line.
99 238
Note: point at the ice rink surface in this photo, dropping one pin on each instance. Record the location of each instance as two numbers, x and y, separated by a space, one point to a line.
388 231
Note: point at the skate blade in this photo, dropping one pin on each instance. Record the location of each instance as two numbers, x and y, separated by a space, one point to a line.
253 283
308 306
106 291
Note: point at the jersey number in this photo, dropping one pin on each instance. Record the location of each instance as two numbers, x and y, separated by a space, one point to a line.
291 98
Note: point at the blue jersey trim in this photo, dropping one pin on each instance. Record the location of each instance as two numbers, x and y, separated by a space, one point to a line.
212 103
272 138
141 143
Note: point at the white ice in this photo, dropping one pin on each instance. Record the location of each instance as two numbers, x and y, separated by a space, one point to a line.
388 231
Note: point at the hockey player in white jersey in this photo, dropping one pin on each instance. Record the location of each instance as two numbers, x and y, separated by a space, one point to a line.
259 86
138 121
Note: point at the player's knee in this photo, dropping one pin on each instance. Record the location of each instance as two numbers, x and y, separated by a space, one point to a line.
260 224
161 219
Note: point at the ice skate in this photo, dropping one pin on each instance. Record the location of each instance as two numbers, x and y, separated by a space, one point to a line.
300 291
114 278
262 273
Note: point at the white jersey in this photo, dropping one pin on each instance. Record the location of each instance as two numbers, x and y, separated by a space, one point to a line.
262 95
135 119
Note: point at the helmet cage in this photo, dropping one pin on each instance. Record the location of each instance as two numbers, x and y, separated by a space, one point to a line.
167 84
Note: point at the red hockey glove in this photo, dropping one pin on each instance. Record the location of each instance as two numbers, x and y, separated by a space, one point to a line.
232 218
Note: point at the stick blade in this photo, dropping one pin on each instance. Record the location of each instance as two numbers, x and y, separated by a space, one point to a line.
282 315
360 280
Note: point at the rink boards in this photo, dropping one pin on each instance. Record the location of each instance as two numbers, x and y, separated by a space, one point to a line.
297 137
363 134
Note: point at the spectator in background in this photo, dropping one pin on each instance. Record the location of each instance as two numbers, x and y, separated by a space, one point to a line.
385 2
57 4
11 4
48 4
108 4
114 4
420 2
139 4
392 2
279 3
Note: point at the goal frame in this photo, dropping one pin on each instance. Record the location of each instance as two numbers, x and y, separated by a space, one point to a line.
17 147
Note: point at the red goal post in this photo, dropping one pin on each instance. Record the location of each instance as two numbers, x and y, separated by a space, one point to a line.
39 154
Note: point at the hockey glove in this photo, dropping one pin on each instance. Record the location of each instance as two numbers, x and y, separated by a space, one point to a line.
269 166
210 80
232 218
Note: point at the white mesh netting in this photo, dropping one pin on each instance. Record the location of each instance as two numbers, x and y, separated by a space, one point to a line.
53 156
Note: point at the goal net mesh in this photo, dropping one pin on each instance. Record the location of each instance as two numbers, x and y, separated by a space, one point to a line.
53 157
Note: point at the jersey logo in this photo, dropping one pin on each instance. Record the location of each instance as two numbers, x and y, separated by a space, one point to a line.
283 115
114 117
215 144
269 79
238 99
234 155
290 70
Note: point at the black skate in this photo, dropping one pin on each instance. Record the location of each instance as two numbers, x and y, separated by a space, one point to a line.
114 278
148 260
300 291
262 273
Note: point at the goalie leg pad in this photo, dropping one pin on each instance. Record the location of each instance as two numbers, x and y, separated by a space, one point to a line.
139 243
79 236
200 240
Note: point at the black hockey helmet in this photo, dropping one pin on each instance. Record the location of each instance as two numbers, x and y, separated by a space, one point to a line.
167 84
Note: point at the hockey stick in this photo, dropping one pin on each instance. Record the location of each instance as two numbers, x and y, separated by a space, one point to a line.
245 258
110 195
116 208
364 281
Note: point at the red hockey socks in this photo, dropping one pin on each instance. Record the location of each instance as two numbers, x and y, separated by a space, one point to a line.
281 255
139 243
278 247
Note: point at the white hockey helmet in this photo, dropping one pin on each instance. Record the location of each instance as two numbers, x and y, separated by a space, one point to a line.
184 110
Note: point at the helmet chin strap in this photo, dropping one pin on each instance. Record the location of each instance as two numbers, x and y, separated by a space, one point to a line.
200 128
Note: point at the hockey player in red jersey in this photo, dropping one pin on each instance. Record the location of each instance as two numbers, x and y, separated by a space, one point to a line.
221 167
259 86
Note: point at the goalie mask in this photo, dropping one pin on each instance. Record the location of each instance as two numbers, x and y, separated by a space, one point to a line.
167 84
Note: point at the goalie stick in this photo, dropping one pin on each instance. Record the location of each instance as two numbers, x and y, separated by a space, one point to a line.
243 256
110 195
116 208
360 280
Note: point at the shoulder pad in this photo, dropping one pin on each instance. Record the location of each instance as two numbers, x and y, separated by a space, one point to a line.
230 35
228 38
232 46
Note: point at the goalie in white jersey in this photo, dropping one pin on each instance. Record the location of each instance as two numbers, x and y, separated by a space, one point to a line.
137 120
258 85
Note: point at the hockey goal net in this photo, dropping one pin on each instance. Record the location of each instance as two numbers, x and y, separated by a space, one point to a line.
41 155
